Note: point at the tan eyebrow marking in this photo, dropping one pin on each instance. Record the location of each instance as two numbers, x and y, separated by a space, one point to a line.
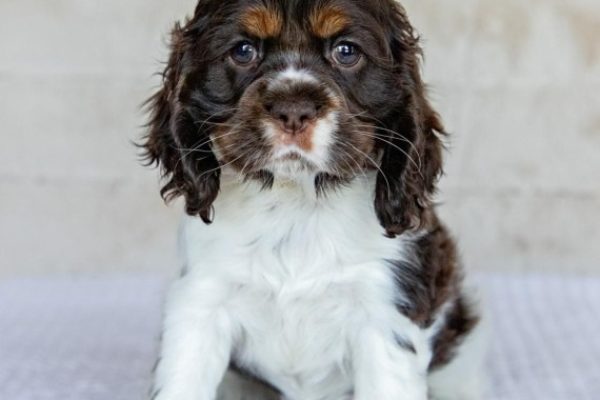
262 22
328 21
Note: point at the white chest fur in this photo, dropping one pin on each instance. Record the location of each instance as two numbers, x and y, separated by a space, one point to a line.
299 277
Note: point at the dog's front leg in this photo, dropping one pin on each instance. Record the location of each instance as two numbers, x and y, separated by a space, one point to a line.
196 343
387 366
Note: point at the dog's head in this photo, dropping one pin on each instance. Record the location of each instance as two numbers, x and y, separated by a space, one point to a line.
326 89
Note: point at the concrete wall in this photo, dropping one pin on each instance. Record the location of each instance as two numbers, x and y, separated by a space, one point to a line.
517 83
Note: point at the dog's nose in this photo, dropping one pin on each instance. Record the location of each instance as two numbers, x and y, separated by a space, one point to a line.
293 115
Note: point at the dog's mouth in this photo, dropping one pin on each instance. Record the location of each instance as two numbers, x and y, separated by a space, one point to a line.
340 146
292 163
289 157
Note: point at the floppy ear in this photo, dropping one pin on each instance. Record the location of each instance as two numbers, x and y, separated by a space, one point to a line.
175 140
412 160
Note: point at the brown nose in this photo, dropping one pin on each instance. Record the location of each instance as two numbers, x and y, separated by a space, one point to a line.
293 115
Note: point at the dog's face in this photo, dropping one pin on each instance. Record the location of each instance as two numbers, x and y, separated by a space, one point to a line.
294 89
324 89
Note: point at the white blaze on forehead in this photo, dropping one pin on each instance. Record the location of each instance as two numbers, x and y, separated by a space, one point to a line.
294 75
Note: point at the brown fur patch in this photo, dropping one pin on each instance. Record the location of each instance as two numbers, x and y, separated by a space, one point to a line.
327 22
262 22
435 284
460 321
304 139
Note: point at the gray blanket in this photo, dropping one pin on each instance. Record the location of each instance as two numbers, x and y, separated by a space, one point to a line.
96 338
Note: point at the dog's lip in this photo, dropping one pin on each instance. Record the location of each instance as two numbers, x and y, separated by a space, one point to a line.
288 152
293 156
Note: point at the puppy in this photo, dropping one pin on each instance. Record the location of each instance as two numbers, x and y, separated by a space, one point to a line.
300 136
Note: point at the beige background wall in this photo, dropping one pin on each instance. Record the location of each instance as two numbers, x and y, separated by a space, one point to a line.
517 82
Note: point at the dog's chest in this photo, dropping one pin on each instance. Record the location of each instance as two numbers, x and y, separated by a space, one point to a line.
298 280
298 316
297 336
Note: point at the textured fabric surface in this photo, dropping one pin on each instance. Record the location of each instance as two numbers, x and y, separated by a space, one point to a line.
96 338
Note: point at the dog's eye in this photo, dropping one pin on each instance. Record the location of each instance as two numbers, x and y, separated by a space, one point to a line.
244 53
346 54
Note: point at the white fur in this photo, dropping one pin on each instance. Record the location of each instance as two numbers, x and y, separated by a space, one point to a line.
463 378
323 137
297 289
293 74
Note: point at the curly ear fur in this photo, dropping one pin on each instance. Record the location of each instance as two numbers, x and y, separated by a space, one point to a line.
174 132
412 161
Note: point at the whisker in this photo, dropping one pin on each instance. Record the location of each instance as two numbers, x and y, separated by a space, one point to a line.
242 172
232 131
396 134
218 114
358 166
399 135
375 164
225 165
385 140
186 153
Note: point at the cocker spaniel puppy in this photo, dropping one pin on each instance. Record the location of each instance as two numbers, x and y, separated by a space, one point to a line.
300 136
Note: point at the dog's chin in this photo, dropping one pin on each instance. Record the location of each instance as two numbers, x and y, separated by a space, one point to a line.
293 164
292 167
